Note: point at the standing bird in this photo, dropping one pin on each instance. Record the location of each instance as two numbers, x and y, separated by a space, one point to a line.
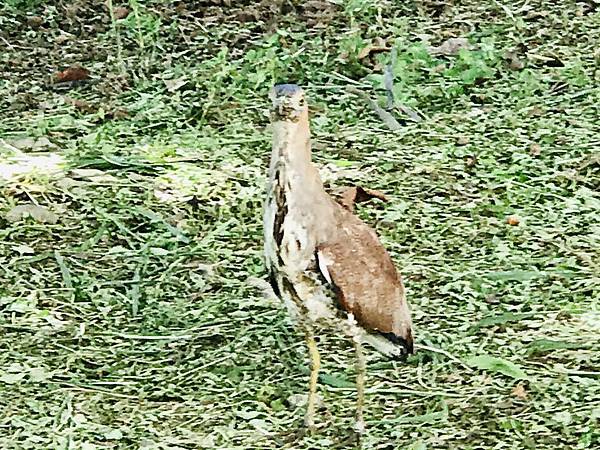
325 263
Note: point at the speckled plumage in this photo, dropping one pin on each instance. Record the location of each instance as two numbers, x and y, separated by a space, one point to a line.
322 259
326 264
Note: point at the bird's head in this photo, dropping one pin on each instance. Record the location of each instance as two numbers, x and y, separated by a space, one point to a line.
289 103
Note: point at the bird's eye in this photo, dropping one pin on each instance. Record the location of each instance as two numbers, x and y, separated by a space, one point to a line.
301 102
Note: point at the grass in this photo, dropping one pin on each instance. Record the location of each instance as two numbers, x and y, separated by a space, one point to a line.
138 320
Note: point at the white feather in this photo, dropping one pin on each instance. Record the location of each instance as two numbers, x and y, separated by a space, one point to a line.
323 262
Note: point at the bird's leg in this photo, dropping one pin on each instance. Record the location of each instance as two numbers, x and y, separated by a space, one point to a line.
359 424
315 365
353 331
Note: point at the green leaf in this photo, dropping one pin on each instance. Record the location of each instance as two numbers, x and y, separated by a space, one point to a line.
432 417
418 446
114 434
12 378
277 405
502 318
247 414
547 345
514 275
157 251
157 218
334 381
343 163
563 417
39 374
499 365
64 270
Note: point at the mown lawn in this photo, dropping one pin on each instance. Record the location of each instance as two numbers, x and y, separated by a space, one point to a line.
133 310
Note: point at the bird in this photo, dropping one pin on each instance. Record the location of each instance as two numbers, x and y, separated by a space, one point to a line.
326 265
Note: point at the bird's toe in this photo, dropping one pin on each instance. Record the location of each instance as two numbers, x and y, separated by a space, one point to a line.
351 438
359 427
309 426
303 430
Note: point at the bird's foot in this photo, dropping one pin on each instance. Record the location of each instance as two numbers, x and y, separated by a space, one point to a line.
360 427
304 430
352 437
309 427
357 432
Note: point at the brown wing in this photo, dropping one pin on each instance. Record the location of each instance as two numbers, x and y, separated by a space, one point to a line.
348 197
365 279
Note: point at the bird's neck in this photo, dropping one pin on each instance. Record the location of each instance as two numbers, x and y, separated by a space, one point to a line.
291 157
291 144
295 186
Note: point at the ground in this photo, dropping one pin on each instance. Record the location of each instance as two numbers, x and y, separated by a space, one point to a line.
133 309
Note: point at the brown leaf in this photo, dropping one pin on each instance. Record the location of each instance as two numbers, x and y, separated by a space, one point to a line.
62 38
450 47
117 113
318 13
377 46
93 175
519 392
247 15
317 6
471 160
439 68
514 63
82 105
30 143
120 12
535 149
35 21
73 73
513 220
174 84
536 111
356 194
36 212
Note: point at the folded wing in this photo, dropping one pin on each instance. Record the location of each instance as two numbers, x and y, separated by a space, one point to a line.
365 279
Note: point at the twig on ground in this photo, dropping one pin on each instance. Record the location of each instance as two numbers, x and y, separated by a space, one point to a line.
385 116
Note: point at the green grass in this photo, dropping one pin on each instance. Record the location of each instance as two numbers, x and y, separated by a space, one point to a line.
138 320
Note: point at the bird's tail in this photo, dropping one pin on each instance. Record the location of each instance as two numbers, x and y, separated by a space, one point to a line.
391 346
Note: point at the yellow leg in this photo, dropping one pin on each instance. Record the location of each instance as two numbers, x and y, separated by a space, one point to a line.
359 425
315 365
